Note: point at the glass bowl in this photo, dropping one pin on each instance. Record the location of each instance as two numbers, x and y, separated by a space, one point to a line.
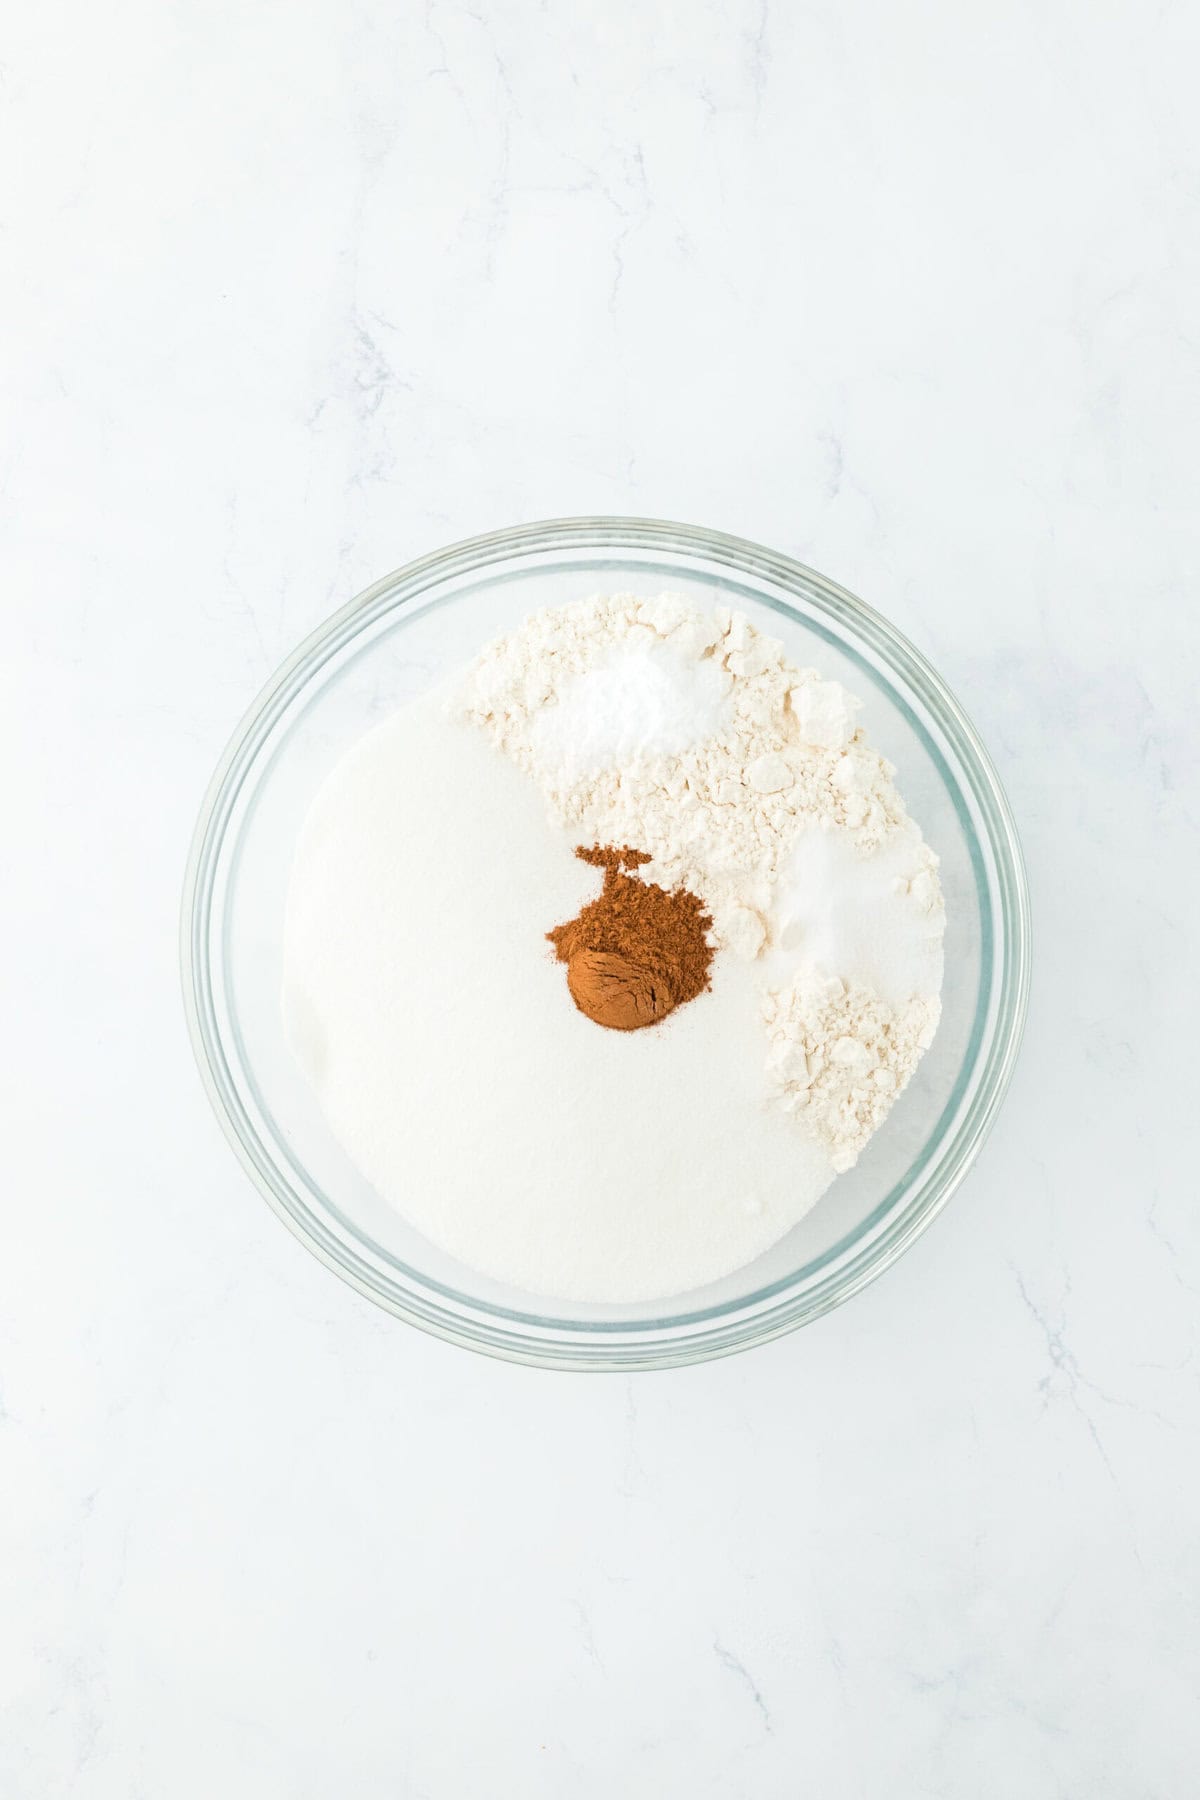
388 646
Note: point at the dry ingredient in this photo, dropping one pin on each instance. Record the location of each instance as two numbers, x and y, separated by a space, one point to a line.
649 704
840 1055
749 785
472 1102
717 806
755 851
637 952
877 920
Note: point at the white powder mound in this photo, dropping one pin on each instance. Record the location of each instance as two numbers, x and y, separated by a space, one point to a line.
876 919
644 701
718 814
428 1013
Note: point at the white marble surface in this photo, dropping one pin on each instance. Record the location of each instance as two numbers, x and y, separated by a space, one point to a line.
296 292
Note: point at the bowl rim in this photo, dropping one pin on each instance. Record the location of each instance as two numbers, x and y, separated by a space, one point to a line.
638 1344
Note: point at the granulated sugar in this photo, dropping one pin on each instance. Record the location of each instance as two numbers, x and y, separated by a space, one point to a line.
430 1016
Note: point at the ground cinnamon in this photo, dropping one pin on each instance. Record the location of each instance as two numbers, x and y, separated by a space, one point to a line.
637 952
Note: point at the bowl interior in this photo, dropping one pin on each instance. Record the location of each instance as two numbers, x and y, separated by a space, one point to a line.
388 648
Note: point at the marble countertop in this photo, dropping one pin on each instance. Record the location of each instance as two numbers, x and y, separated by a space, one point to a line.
294 294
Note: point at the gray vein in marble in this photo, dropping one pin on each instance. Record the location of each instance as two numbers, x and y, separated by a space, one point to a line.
759 55
1169 1245
586 1635
243 604
633 1473
498 199
371 371
737 1667
835 460
634 217
1064 1363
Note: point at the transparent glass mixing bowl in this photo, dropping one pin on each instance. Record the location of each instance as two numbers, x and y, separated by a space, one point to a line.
388 646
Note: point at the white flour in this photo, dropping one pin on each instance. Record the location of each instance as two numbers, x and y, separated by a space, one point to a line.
840 1054
718 813
773 808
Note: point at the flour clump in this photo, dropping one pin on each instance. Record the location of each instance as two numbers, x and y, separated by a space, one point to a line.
770 749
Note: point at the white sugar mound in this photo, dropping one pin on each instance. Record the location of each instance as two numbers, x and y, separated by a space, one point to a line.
876 920
427 1011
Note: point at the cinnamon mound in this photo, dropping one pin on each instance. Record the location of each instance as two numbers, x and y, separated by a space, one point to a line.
637 952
